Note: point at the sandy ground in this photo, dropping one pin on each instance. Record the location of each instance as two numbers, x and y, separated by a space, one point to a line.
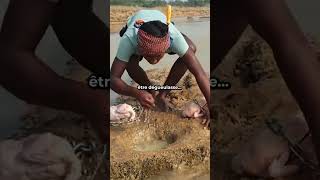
258 92
165 143
70 126
185 152
120 14
194 151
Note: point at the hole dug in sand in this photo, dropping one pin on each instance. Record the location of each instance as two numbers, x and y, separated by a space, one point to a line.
151 141
142 150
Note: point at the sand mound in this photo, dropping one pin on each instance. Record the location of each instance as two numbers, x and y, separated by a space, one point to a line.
258 92
163 141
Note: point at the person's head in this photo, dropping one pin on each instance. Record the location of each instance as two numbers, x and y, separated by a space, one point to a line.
153 40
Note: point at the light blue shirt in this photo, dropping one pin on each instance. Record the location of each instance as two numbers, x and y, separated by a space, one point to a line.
128 42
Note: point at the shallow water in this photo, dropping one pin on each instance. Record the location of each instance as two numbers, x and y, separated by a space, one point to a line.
153 145
191 29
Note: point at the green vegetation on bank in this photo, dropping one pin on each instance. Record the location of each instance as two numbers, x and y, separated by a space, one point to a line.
153 3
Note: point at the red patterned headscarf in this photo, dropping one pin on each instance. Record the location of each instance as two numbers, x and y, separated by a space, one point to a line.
151 45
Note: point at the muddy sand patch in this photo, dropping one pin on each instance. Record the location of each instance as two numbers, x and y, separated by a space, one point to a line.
258 92
141 150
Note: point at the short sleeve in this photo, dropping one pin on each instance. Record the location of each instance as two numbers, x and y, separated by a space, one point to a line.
125 49
179 44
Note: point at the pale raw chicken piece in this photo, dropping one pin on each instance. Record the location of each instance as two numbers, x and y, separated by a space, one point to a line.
193 110
38 157
122 111
266 154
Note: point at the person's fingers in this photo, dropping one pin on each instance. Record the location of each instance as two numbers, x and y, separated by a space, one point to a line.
146 105
208 124
150 101
152 105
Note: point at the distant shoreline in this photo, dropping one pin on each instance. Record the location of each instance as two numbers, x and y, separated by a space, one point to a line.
119 14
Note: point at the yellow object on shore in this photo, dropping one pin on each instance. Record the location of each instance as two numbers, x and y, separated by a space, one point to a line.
168 14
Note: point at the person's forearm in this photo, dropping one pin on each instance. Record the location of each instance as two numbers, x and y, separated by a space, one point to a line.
296 61
140 76
301 72
120 87
204 85
194 66
92 103
177 71
30 80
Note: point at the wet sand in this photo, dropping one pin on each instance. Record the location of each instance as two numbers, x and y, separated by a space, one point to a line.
164 145
166 142
258 92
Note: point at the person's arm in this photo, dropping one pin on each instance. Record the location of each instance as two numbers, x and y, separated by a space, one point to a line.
123 57
137 73
120 87
296 60
179 68
117 84
23 74
194 66
83 35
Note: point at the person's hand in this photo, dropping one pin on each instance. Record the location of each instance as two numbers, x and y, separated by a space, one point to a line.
206 121
162 103
146 99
